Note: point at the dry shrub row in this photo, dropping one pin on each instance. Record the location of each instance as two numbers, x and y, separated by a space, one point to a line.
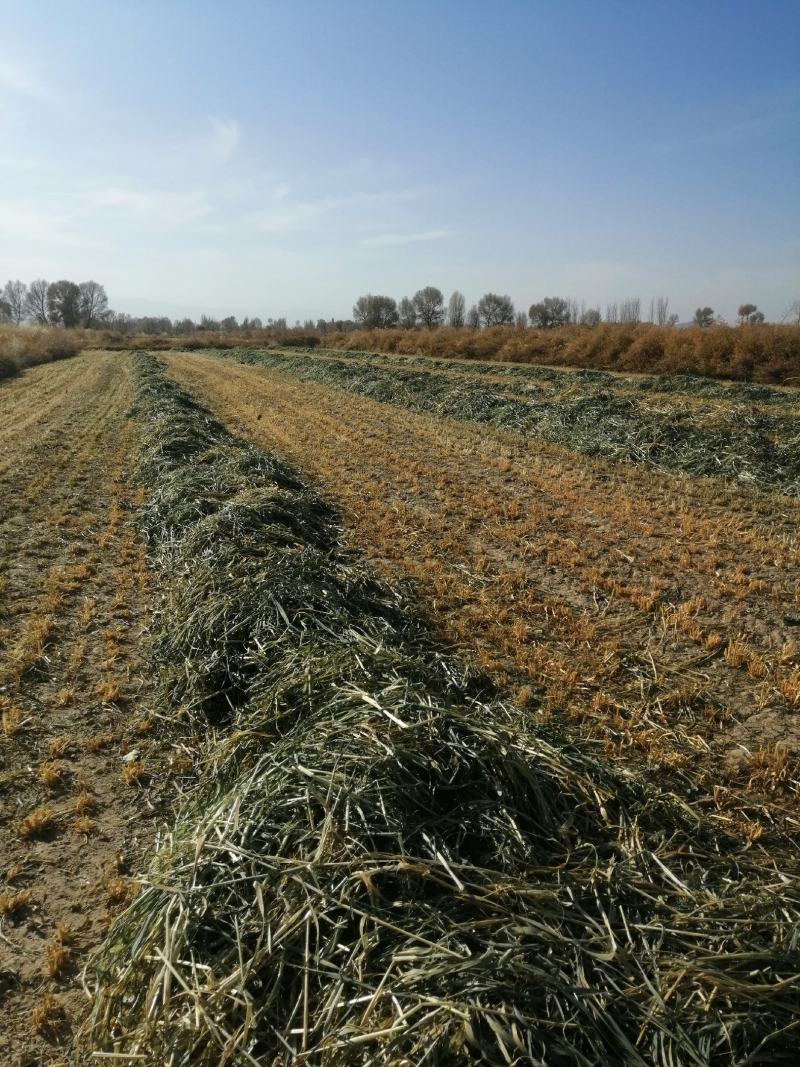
205 339
769 354
28 347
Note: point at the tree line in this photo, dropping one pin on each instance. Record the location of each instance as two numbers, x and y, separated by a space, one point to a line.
426 309
85 304
62 303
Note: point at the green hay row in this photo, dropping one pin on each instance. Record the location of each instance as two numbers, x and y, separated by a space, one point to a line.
589 412
383 863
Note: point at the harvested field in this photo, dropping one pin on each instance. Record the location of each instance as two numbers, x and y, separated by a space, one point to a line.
657 614
73 593
747 434
337 732
742 353
381 861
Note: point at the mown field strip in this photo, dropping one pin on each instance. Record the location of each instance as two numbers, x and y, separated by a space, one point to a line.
649 612
692 388
74 818
740 440
381 862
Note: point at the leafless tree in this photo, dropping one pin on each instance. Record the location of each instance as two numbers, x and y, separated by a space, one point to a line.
14 294
495 310
474 317
591 317
521 321
36 302
574 314
612 314
408 314
792 313
456 313
630 311
375 312
64 303
5 311
429 304
662 310
93 304
551 312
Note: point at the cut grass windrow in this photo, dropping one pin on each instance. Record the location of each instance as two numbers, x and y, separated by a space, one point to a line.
745 440
382 862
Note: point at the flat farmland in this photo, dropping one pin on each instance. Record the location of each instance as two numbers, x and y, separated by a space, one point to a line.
654 612
376 710
73 600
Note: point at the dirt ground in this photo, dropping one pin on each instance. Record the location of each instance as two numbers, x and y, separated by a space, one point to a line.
654 614
76 813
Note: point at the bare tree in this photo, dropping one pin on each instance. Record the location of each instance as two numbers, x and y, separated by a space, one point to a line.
375 312
36 302
551 312
93 304
591 317
474 317
521 321
495 310
456 309
64 303
630 311
14 294
662 310
704 316
792 313
574 314
5 311
429 304
408 314
612 314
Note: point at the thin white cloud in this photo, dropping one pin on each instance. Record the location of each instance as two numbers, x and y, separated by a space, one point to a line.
23 79
154 205
383 240
285 214
291 216
225 137
27 223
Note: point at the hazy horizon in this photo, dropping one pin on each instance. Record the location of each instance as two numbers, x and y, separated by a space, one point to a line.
280 160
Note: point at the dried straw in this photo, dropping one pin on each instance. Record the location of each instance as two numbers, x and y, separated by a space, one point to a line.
382 862
591 412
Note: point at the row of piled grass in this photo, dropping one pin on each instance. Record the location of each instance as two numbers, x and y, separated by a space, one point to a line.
383 863
745 440
762 353
520 375
21 348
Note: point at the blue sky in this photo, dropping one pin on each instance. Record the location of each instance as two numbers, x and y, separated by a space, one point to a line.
282 158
